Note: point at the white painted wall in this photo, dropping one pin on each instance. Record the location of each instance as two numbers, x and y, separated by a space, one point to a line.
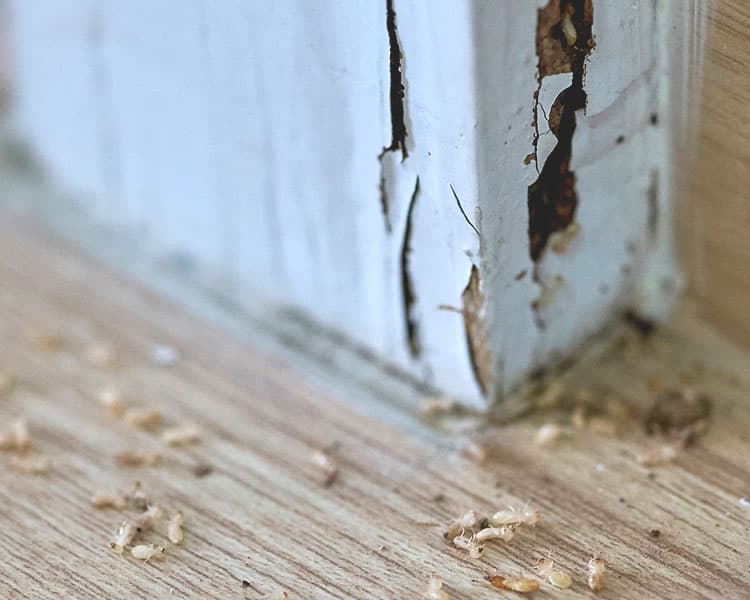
246 135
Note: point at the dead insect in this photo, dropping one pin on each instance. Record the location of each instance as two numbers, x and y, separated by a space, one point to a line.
435 589
138 459
103 501
17 438
142 417
516 516
182 435
35 465
111 399
174 531
547 435
596 574
469 544
147 552
475 452
124 535
660 455
326 464
101 354
504 533
557 577
457 526
522 585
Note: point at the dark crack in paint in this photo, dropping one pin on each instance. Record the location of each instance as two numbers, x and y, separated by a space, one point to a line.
397 100
407 286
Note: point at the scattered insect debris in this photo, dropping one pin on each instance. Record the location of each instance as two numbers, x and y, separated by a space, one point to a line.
132 458
596 574
147 552
435 589
522 585
142 417
102 354
557 577
17 438
34 465
322 459
548 435
149 517
470 532
112 399
174 530
181 435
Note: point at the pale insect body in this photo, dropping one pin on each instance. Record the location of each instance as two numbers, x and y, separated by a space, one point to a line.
456 527
516 516
326 464
104 501
596 574
148 552
547 435
522 585
503 532
467 543
182 435
142 417
435 589
17 438
174 531
557 577
124 535
138 459
112 400
101 354
35 465
656 456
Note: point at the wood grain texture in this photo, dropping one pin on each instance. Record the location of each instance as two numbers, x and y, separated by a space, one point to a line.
712 174
262 515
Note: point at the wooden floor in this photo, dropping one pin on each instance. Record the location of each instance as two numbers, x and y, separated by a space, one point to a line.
263 515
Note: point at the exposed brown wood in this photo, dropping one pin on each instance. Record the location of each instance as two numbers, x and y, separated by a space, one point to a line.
712 171
261 512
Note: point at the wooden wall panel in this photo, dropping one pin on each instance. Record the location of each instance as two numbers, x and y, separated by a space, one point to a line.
712 174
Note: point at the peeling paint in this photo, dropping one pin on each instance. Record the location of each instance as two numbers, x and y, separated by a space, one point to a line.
407 286
552 198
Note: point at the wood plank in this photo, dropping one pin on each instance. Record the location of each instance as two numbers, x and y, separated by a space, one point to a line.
712 176
262 514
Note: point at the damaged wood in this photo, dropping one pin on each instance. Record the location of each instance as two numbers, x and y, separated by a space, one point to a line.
407 285
552 198
476 333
